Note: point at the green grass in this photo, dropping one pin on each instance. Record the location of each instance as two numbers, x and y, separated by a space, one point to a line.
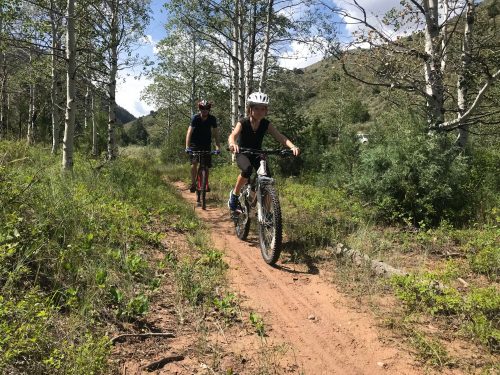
75 254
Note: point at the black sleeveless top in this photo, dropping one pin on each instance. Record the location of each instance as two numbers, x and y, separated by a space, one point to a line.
248 137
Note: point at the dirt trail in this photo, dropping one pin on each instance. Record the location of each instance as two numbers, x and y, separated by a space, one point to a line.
299 309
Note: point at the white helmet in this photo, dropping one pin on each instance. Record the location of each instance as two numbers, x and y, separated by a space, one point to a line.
258 98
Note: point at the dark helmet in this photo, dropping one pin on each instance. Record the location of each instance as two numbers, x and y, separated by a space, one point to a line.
204 104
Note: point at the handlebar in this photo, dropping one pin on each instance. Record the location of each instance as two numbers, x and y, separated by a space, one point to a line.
251 151
204 152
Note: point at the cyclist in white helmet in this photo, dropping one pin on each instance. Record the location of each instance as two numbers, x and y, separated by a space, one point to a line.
249 133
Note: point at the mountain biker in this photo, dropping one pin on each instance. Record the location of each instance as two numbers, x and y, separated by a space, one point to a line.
199 136
249 133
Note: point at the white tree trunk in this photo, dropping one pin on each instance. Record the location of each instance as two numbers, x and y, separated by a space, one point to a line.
3 84
32 115
112 152
95 149
193 78
55 84
69 123
234 80
3 93
240 20
433 73
445 36
267 42
86 108
251 51
465 76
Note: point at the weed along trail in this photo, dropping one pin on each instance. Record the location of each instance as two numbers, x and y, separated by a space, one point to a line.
302 313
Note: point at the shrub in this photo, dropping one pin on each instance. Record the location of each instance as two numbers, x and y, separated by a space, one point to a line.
414 177
357 112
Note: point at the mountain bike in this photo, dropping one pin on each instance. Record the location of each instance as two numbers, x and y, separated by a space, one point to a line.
260 194
202 176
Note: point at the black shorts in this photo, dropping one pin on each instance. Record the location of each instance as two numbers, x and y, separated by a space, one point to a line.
247 163
205 159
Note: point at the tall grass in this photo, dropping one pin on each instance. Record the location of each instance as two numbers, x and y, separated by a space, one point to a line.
73 253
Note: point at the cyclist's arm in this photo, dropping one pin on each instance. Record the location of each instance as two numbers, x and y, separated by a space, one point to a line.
233 146
282 139
188 136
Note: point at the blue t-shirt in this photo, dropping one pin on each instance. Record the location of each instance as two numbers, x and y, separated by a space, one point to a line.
201 138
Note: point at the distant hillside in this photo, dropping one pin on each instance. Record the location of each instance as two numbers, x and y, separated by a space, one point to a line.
143 130
123 116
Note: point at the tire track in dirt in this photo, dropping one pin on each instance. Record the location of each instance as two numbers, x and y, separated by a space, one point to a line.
302 310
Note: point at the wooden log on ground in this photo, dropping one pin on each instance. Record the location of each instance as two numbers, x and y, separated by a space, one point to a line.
378 267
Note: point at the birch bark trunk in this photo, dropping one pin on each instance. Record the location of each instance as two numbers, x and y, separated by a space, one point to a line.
55 83
193 78
112 152
465 76
433 73
267 42
3 92
69 124
3 84
251 50
30 135
95 148
240 17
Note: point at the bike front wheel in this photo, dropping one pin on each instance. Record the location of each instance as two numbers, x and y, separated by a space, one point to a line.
242 221
270 229
202 184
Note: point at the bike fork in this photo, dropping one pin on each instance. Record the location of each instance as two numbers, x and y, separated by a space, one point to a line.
262 180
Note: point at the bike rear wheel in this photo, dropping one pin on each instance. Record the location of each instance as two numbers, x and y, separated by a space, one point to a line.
270 228
201 188
242 221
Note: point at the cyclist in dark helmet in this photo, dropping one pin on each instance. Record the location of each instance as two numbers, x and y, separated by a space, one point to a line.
249 133
201 131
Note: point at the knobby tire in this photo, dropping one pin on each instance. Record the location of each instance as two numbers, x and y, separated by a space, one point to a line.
242 224
270 230
202 185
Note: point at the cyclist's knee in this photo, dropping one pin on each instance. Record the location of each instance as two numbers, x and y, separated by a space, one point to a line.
246 173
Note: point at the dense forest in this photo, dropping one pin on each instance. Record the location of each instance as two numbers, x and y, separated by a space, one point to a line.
84 204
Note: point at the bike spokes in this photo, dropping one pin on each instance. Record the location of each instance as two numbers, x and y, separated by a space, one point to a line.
242 219
270 226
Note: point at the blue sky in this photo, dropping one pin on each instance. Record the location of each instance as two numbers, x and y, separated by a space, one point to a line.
130 85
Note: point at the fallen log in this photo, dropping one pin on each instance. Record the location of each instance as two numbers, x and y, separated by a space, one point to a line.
378 267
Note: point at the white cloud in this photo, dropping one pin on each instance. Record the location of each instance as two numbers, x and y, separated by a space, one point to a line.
128 93
299 55
128 88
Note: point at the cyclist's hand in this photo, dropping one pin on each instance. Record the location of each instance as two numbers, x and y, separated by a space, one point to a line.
296 151
234 148
188 150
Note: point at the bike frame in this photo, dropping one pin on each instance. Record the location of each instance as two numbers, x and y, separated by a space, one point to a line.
260 194
202 169
261 179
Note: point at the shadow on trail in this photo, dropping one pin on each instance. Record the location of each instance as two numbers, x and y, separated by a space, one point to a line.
298 254
310 271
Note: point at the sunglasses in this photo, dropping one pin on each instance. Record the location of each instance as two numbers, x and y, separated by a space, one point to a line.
204 108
